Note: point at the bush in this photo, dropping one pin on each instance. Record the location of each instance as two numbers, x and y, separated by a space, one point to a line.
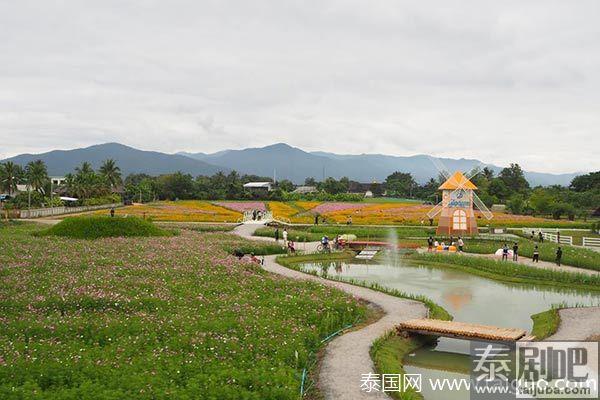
98 201
99 226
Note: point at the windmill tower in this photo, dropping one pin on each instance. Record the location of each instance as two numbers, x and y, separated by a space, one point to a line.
456 210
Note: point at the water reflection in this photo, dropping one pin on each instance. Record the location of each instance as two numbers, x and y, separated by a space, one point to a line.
467 297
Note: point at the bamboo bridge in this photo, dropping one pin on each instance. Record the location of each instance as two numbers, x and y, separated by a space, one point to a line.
462 330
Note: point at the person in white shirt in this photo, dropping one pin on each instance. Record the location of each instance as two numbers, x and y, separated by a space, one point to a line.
285 237
460 244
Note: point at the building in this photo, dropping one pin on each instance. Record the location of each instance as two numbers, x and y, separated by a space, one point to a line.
305 189
57 180
259 186
457 216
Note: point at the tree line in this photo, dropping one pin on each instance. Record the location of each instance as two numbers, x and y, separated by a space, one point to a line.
509 187
88 186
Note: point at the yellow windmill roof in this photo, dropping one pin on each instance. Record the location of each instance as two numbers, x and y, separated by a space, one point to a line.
457 180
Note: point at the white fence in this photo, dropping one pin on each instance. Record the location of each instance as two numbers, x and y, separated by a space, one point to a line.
52 211
591 242
547 234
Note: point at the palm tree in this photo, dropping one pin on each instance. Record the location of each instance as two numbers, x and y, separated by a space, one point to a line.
37 175
10 175
111 172
85 169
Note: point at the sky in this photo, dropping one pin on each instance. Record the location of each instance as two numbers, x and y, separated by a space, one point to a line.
500 81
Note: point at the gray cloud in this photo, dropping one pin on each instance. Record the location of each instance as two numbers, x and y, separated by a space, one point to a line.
501 81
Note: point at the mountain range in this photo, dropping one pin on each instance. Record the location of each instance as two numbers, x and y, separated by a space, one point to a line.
281 160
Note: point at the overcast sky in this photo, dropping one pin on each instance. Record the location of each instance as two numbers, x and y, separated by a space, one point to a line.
501 81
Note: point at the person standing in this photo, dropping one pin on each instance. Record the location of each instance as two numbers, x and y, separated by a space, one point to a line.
112 211
516 251
505 252
536 254
285 235
277 235
316 219
430 244
540 237
558 255
349 220
460 244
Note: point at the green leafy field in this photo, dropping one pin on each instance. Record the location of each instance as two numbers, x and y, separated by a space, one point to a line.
154 318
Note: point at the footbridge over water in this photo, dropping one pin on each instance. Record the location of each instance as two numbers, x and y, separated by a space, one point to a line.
462 330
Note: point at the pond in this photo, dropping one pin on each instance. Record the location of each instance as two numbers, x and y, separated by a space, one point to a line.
467 297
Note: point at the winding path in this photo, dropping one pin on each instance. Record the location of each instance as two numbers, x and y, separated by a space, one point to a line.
579 323
347 357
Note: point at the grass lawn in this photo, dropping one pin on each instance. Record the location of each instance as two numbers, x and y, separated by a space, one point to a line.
154 318
574 256
315 233
545 324
509 271
577 235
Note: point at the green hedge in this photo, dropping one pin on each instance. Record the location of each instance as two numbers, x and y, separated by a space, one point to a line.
100 226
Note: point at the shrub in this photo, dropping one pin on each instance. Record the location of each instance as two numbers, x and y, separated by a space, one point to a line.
97 227
98 201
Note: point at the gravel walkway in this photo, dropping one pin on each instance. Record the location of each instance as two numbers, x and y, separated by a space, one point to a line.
347 357
578 324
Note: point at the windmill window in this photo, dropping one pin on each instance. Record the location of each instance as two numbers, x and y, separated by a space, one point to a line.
459 220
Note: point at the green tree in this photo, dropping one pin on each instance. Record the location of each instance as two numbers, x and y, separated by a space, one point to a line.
516 204
176 186
541 202
285 185
560 208
400 184
583 183
310 181
111 172
498 189
514 178
37 175
10 175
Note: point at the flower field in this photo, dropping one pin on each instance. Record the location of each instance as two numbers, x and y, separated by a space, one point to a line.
154 318
180 211
241 206
390 213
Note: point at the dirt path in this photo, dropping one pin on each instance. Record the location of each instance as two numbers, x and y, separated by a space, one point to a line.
347 357
578 324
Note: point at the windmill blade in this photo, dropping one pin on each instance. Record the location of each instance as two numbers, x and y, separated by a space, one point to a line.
475 171
440 166
435 210
482 207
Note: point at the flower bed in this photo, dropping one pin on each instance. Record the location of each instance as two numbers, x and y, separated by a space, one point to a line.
180 211
154 318
241 206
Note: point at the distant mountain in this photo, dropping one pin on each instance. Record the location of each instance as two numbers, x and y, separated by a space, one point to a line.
130 160
292 163
285 161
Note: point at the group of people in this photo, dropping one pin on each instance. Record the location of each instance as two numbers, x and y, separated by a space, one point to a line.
433 244
536 253
257 215
251 258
